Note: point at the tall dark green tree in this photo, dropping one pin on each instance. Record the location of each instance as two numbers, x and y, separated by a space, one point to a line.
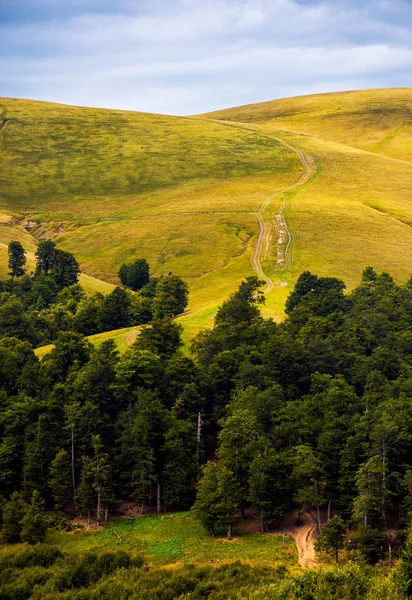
115 311
66 269
34 522
45 257
17 259
172 295
332 537
60 480
217 498
13 513
86 493
135 275
269 485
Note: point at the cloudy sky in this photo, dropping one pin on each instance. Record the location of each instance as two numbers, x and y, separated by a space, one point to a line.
191 56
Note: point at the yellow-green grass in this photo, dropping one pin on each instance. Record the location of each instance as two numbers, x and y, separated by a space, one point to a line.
376 120
14 232
69 162
189 246
112 186
123 338
179 538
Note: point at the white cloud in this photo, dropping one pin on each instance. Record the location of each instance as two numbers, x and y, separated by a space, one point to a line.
193 55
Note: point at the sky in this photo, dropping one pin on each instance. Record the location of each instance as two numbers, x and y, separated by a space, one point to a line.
185 57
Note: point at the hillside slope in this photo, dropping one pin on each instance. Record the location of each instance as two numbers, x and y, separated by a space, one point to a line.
288 185
376 120
111 186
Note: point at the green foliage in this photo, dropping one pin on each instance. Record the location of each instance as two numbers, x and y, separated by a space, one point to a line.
13 512
161 337
171 297
217 498
60 480
135 275
34 522
332 537
17 259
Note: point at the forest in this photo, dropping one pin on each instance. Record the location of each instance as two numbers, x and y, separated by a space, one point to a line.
311 413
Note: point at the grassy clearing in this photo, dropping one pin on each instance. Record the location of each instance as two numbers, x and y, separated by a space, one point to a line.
121 337
179 538
374 120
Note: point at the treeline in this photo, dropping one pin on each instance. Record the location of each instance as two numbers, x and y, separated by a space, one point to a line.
314 412
37 307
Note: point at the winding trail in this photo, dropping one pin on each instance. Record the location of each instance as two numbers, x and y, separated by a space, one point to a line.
286 237
304 536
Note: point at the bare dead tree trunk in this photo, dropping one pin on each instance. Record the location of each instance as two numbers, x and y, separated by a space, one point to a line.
106 514
199 435
73 471
98 515
229 531
329 505
318 514
159 507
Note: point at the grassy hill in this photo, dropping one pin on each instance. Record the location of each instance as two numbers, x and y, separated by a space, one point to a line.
358 210
376 120
196 195
111 186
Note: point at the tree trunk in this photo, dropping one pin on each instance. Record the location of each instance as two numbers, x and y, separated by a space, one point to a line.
229 531
318 513
199 435
98 507
106 514
159 507
329 506
73 471
262 523
88 516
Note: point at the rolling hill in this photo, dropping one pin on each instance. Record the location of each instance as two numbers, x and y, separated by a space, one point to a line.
318 182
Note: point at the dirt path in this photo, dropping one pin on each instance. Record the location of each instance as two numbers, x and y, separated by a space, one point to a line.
131 336
304 536
286 237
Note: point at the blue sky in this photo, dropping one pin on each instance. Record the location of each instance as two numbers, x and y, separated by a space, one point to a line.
190 56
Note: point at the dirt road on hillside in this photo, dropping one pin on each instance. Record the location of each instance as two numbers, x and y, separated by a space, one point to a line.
304 536
285 236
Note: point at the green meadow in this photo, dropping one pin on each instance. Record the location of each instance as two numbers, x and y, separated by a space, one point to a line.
112 186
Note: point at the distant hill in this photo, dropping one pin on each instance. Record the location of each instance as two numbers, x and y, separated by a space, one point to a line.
318 182
376 120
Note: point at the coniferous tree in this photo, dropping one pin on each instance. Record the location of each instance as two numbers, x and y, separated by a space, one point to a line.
13 513
60 480
34 522
86 494
17 259
45 257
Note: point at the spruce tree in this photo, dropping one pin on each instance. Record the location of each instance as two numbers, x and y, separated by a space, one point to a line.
13 513
34 522
17 259
86 495
60 480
